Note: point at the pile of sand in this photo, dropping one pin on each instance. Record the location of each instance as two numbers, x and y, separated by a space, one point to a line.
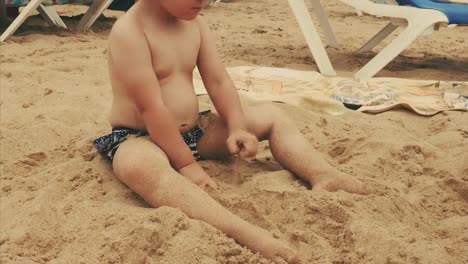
60 202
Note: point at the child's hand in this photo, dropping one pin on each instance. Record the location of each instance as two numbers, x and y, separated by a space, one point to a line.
243 143
198 175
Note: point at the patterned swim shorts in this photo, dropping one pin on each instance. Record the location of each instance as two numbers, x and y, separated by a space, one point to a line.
108 144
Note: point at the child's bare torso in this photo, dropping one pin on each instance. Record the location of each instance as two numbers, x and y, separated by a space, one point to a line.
174 50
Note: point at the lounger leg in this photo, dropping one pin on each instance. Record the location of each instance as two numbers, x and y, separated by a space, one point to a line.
94 11
387 30
51 16
312 38
324 23
20 19
392 50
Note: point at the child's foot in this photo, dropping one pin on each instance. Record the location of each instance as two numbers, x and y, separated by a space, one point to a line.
339 181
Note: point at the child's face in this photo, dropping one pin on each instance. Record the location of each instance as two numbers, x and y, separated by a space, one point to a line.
184 9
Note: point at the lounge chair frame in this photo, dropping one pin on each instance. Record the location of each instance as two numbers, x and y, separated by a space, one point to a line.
417 22
51 16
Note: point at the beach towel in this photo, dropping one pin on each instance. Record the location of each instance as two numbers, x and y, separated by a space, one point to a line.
335 95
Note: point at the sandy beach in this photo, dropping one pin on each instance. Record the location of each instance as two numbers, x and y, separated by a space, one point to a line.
61 203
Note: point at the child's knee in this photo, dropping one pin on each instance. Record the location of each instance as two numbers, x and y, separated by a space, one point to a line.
136 161
261 119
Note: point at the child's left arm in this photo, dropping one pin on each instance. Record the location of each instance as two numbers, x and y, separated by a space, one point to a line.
224 95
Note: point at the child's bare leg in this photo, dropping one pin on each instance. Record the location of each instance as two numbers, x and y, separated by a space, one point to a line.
144 168
292 150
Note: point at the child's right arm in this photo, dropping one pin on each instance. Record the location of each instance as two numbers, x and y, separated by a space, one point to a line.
131 62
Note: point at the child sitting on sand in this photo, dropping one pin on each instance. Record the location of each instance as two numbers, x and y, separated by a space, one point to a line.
158 134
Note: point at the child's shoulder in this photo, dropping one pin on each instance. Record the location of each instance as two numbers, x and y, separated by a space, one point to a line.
126 34
124 28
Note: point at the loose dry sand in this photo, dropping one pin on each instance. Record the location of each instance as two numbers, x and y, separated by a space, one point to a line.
61 203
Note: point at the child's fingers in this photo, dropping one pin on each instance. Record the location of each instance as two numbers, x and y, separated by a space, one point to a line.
249 149
232 146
